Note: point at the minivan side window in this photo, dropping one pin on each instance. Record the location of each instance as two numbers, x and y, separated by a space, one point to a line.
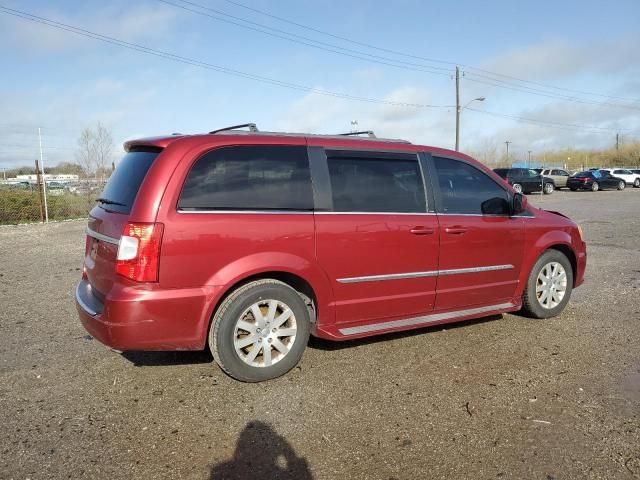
265 177
389 185
464 189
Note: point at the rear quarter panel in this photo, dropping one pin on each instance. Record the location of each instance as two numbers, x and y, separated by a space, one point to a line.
222 248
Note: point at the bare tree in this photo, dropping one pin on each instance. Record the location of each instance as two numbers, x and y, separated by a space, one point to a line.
103 146
85 154
486 151
95 151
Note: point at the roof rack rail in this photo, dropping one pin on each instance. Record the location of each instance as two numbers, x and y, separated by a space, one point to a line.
362 132
251 126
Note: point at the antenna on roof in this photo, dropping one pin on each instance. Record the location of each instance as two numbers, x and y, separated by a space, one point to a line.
251 126
369 133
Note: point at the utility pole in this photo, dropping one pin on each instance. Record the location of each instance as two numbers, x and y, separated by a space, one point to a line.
507 144
457 108
38 183
529 163
617 141
44 181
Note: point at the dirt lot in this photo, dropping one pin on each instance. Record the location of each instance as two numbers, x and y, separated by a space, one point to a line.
503 397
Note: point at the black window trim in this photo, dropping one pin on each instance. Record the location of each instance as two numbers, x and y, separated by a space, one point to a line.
320 172
435 186
267 211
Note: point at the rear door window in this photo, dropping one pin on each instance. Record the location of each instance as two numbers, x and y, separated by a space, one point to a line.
386 185
265 177
120 191
464 189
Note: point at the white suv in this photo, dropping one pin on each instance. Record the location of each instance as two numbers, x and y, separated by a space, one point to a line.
627 175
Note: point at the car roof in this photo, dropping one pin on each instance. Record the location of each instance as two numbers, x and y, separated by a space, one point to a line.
328 141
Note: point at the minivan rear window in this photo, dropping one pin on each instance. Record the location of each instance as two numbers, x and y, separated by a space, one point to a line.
120 191
251 177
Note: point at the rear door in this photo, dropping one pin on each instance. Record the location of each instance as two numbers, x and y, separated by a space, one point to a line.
109 217
481 246
560 177
377 239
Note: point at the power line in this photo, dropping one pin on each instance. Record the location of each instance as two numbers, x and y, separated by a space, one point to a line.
377 58
205 65
267 80
302 40
544 123
486 80
427 59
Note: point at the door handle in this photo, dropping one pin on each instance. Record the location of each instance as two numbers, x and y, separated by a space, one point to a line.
456 230
422 231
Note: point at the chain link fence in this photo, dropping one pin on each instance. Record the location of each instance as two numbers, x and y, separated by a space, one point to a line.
26 202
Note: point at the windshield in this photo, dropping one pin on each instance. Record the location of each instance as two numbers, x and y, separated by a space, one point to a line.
121 189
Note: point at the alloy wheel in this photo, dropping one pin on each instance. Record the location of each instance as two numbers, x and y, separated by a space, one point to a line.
551 285
264 333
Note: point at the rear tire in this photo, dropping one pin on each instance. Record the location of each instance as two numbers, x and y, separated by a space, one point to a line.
621 185
636 183
549 286
248 337
517 187
595 187
548 189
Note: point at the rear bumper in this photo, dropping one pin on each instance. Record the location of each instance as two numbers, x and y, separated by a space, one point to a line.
146 317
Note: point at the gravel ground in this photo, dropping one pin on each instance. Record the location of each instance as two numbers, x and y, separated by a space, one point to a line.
502 397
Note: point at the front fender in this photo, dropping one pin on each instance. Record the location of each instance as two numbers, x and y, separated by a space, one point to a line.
537 248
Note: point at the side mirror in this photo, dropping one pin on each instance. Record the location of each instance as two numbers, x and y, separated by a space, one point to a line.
495 206
518 204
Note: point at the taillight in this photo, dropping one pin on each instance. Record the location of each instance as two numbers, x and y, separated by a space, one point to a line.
584 179
139 251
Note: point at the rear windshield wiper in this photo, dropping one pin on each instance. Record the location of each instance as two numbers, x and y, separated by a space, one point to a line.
109 202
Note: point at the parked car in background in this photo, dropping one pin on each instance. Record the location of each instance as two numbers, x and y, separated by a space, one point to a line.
245 243
55 188
558 176
526 180
636 170
595 180
628 176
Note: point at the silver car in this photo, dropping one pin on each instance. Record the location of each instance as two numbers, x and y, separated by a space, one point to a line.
559 176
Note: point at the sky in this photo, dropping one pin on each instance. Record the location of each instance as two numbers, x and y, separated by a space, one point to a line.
579 60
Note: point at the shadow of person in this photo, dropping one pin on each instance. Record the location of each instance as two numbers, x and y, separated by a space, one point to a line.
262 453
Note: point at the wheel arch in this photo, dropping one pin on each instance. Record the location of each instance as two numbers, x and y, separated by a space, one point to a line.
310 295
570 254
553 240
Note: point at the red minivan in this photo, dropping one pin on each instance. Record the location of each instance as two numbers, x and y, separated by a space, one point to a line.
248 242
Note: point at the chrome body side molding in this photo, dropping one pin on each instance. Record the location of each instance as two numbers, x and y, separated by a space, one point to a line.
424 320
104 238
431 273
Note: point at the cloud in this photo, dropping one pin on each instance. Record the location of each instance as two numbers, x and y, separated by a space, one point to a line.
127 23
560 58
316 113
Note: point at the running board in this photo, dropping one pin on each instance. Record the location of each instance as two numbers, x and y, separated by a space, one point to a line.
424 320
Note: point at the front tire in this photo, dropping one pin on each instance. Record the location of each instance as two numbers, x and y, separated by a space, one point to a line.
548 189
621 185
549 286
260 331
517 187
595 187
